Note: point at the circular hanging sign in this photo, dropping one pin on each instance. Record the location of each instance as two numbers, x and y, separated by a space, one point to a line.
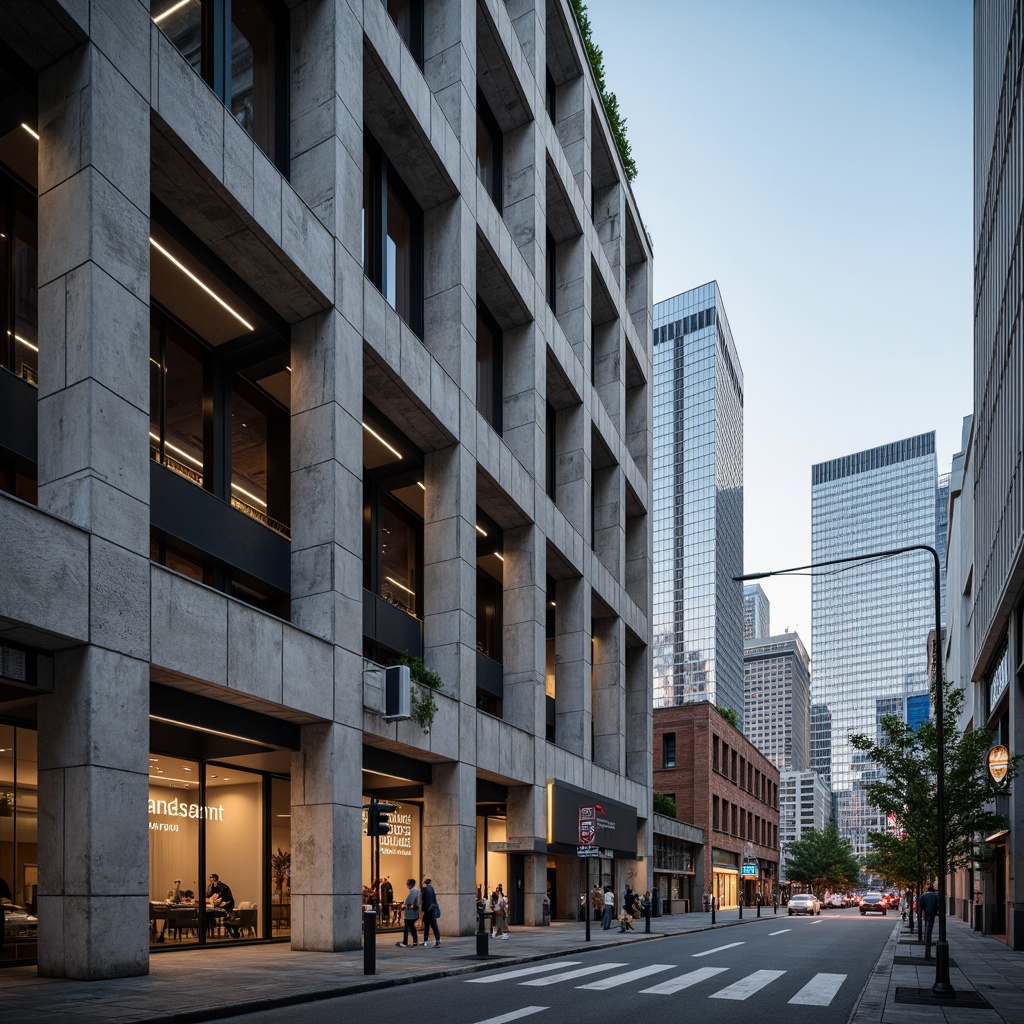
998 762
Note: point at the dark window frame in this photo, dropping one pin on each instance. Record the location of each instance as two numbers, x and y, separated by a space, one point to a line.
551 450
492 543
497 140
383 175
413 39
216 66
551 270
497 358
668 750
550 94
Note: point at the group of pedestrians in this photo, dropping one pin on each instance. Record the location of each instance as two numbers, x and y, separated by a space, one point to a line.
419 901
633 906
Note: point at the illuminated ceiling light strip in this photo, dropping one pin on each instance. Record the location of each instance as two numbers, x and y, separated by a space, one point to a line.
170 10
35 135
390 448
178 451
419 484
167 778
24 341
482 532
211 732
248 494
401 586
209 291
500 558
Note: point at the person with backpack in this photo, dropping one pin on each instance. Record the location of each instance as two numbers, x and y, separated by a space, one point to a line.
501 913
410 912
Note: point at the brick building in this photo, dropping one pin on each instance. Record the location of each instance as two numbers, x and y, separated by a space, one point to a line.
722 784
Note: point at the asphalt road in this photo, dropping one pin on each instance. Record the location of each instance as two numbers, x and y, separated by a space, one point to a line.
785 969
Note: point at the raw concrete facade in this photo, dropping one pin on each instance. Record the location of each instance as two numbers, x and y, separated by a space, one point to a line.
123 120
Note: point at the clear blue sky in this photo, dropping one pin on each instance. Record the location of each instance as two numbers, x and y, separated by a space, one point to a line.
813 156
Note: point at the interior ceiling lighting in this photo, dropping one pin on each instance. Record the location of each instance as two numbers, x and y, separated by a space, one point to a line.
419 484
35 135
481 531
211 732
373 433
18 337
209 291
195 462
500 558
401 586
170 10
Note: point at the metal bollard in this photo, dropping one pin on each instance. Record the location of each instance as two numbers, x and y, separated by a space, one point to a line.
741 908
369 942
483 935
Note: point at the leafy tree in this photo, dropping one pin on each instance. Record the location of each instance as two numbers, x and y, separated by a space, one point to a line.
665 804
822 860
611 103
907 790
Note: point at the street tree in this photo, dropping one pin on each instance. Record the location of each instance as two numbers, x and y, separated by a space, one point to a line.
822 859
906 785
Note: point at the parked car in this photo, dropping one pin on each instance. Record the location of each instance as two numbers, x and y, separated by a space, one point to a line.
874 902
837 899
804 903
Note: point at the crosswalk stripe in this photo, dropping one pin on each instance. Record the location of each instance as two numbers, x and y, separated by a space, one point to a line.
526 1011
746 987
522 972
820 990
582 972
625 979
718 949
666 988
783 932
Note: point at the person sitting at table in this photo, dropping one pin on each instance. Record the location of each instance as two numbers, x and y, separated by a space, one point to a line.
219 896
174 897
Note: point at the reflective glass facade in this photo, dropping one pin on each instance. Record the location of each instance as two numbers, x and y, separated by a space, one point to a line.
756 613
870 622
698 503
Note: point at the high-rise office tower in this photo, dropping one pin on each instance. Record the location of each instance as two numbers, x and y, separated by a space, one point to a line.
993 471
698 503
870 621
804 803
777 684
756 613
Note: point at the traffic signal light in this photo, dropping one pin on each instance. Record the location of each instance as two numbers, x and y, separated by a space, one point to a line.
377 818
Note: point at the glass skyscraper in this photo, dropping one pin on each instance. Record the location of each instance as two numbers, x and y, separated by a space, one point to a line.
698 503
756 613
870 621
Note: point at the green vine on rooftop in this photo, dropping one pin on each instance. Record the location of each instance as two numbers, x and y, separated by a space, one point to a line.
611 103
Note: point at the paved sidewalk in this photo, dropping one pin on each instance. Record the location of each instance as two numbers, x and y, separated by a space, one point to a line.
978 963
199 985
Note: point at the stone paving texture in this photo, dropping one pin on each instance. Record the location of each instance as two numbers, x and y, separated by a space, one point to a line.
191 985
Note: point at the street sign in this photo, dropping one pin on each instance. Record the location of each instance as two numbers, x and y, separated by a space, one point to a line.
588 851
998 763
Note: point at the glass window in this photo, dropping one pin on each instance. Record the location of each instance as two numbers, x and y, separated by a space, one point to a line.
551 274
398 272
246 73
248 456
408 18
399 553
19 825
668 749
489 584
19 346
488 150
488 368
179 444
551 450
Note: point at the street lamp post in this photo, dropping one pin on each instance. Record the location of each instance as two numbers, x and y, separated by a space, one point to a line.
942 988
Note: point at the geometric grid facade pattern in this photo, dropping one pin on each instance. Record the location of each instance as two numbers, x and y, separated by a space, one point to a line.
698 503
869 621
777 718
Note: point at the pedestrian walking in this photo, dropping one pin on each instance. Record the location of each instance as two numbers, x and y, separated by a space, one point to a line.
929 907
609 907
431 912
597 901
501 913
410 913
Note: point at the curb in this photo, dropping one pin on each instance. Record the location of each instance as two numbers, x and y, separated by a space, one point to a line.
874 994
200 1015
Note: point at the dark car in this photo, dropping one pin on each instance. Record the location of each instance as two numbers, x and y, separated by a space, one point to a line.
873 901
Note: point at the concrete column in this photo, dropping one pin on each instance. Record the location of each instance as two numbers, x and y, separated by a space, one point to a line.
573 468
523 643
527 817
524 184
609 693
528 21
449 844
449 569
523 410
638 734
609 490
327 834
572 295
93 469
608 360
572 666
609 210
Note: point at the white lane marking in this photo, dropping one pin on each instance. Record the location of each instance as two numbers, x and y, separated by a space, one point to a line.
582 972
746 987
523 972
783 932
526 1011
625 979
820 990
819 921
718 949
666 988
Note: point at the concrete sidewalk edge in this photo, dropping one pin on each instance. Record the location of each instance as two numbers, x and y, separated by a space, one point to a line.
873 995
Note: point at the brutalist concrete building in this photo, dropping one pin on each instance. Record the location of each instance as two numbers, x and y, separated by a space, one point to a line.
327 343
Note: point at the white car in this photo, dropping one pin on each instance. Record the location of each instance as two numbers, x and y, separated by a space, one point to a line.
804 903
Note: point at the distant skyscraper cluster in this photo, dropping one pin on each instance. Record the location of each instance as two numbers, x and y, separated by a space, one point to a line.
870 621
698 503
777 686
756 612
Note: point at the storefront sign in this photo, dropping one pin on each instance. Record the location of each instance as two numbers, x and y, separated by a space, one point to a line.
588 825
748 869
614 822
180 809
998 763
518 846
588 851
